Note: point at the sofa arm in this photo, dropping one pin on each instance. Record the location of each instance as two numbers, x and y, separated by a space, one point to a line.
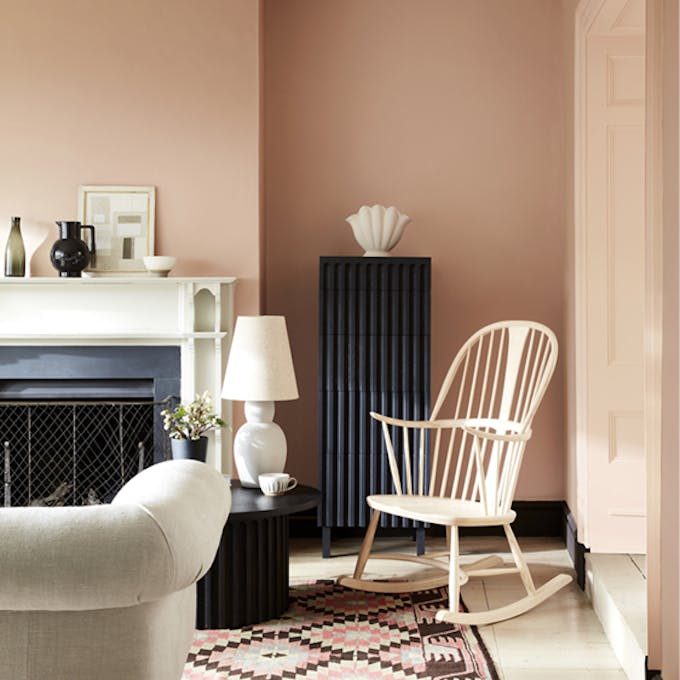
159 535
189 502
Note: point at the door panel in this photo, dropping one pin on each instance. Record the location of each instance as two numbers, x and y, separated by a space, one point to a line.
615 218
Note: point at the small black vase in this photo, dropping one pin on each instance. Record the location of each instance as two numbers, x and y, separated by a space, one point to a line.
70 254
189 449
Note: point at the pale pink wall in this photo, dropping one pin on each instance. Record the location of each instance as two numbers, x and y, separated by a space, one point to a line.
453 112
138 92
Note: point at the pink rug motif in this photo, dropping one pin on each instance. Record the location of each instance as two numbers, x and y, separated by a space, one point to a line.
330 632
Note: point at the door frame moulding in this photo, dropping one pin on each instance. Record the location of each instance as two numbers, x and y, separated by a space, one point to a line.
653 316
586 13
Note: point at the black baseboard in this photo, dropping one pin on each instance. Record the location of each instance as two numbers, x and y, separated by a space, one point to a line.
577 551
534 518
651 674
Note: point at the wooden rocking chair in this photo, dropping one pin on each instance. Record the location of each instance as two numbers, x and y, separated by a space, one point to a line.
496 383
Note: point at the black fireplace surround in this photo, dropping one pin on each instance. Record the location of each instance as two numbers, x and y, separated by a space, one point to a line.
50 384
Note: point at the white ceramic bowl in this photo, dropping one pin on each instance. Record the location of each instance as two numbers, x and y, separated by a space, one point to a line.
159 265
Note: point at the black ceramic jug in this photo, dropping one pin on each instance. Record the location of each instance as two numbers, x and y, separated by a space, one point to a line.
70 254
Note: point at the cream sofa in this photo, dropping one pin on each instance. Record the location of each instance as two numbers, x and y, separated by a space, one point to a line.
109 592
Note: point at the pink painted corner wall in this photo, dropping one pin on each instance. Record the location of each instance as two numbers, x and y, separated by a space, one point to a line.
145 92
453 112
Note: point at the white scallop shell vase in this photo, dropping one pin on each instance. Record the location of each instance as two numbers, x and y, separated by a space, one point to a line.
378 229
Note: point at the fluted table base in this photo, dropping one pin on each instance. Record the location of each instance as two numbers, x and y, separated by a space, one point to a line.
248 581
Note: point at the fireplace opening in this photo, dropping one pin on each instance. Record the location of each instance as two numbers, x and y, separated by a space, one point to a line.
73 453
77 423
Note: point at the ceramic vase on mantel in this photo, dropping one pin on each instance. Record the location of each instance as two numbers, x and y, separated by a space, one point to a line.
15 253
378 229
70 254
189 449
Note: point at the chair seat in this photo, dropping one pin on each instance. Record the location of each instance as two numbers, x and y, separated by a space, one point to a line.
438 510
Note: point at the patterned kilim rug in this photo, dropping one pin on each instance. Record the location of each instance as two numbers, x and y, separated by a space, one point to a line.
334 632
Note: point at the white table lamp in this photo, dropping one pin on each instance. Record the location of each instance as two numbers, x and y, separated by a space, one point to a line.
259 372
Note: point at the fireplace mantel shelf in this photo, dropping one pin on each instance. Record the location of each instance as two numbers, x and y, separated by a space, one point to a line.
108 280
171 338
194 314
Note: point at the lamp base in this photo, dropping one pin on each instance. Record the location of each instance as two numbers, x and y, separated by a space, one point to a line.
259 445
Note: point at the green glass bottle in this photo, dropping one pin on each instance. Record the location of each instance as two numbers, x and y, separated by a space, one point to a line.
15 254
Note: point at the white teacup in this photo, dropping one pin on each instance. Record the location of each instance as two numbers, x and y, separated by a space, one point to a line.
276 483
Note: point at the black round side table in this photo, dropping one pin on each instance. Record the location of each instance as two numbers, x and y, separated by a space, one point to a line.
248 581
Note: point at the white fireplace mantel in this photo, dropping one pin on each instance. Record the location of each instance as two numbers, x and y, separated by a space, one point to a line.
195 314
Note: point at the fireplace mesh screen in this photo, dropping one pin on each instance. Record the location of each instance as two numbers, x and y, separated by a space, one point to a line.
73 453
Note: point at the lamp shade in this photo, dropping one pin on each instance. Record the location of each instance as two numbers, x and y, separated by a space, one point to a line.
260 365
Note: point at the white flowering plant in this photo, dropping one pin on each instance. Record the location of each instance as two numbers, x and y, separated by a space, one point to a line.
193 420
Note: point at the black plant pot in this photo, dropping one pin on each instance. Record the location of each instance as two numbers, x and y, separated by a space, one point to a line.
189 449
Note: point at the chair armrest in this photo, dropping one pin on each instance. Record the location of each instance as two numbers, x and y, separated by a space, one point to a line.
511 430
414 472
417 424
505 430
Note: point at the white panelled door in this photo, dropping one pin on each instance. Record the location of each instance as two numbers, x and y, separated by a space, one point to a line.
615 507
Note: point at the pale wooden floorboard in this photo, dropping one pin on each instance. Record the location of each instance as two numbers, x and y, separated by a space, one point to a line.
561 638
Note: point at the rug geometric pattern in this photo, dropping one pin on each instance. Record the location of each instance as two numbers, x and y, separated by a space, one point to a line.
331 632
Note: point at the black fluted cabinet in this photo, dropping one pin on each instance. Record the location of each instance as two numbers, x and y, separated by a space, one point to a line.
374 355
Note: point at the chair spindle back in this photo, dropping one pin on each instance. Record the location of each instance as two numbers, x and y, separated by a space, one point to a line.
490 395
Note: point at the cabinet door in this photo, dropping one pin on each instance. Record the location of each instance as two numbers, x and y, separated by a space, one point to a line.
374 355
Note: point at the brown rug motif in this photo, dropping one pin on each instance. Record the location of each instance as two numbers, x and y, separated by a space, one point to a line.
333 632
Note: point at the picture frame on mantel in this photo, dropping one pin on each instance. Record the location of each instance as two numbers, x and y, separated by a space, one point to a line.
124 223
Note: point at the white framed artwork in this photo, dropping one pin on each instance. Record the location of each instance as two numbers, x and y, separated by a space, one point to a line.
123 220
